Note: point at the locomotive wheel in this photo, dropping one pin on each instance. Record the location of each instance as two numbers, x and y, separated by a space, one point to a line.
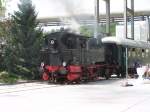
54 79
107 76
45 76
118 75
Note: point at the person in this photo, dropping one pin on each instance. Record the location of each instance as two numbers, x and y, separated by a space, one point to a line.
147 72
136 64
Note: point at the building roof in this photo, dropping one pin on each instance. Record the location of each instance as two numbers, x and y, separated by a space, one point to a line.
126 42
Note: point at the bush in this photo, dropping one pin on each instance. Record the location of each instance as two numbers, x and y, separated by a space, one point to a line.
8 78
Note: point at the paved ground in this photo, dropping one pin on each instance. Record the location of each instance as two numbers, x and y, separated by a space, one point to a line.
101 96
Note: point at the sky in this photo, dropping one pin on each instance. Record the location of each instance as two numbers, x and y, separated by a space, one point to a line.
53 8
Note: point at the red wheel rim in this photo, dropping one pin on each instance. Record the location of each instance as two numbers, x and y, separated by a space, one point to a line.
45 76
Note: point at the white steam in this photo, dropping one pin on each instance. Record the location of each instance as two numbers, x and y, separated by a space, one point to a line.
70 7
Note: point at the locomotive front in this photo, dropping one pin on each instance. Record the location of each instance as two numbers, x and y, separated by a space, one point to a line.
51 63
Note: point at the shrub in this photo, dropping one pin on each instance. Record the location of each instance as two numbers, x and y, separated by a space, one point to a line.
8 78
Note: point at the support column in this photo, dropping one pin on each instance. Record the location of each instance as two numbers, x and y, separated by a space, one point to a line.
125 19
131 12
126 12
148 26
108 17
125 36
126 62
96 18
132 19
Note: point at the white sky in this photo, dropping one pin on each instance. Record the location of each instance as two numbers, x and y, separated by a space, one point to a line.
51 8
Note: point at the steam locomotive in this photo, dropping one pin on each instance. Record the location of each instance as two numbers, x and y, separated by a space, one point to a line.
69 57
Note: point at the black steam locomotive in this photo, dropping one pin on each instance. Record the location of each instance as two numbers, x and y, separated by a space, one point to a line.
69 57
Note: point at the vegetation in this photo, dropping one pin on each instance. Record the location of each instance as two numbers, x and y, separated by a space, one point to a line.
23 38
89 30
2 8
4 37
112 29
8 78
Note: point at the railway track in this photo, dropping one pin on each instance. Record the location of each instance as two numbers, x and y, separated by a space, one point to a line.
25 87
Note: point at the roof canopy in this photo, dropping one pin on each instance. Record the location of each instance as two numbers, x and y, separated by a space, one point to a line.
126 42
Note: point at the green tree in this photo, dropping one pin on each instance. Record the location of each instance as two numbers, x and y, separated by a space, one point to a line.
23 49
112 29
2 7
3 28
89 30
4 37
